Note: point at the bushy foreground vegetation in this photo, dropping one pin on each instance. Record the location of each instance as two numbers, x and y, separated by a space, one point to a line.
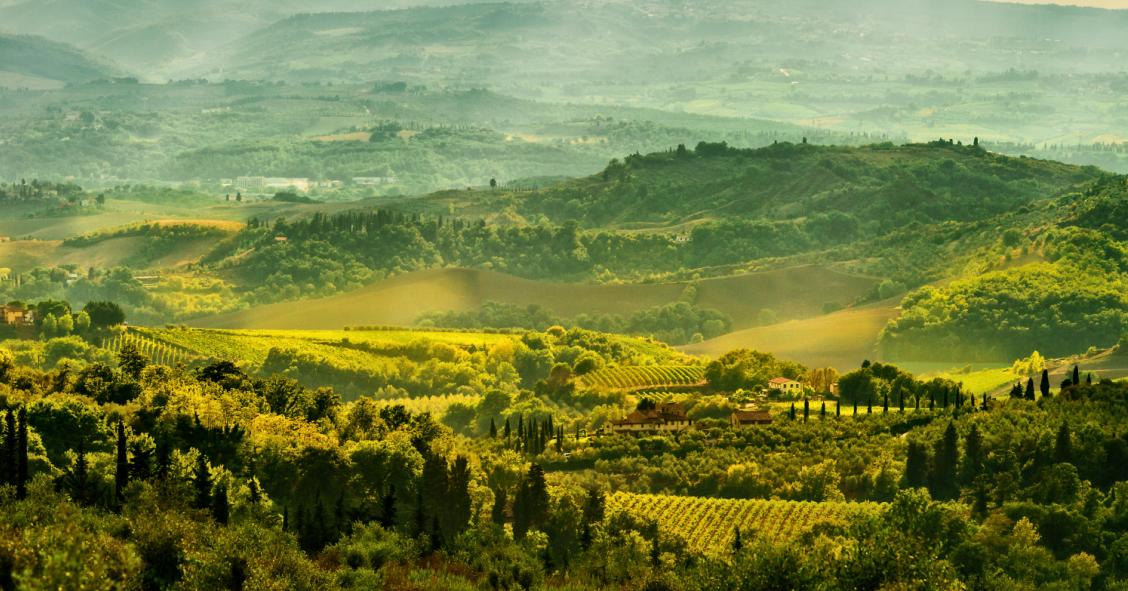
124 473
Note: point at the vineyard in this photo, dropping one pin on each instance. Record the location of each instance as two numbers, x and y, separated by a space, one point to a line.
436 405
645 377
154 349
708 525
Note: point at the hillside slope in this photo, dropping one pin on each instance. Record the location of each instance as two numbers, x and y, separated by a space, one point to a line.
877 187
35 62
790 293
841 340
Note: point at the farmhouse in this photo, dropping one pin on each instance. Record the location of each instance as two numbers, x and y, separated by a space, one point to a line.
785 385
749 417
667 417
16 315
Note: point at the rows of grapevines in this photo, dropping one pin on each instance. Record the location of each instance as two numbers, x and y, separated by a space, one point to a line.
645 376
155 350
709 525
436 405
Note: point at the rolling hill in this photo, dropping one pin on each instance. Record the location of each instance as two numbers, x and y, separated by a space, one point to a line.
791 293
35 62
880 187
841 340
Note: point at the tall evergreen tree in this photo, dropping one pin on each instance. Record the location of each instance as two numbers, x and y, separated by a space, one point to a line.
973 455
530 507
8 470
1030 389
737 543
916 465
121 468
493 429
434 486
220 509
163 467
1063 445
1076 375
80 476
1044 387
459 505
388 508
202 482
497 512
945 465
806 409
21 455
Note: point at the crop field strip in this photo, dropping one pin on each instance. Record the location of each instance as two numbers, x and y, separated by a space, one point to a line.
708 525
645 377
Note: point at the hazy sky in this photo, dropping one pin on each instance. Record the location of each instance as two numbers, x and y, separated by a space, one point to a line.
1099 3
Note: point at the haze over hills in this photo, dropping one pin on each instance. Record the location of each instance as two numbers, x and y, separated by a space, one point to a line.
35 62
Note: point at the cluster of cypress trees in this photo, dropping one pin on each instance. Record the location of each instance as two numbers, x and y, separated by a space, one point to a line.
13 464
532 436
1028 393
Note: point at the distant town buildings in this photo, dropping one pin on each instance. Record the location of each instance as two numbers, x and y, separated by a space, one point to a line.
374 181
265 184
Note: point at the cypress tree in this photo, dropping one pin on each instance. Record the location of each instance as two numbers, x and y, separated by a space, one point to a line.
434 487
973 455
459 505
202 483
737 544
497 512
507 433
1076 375
493 429
1044 387
164 459
21 455
388 508
1089 379
791 413
8 470
121 472
901 401
838 408
855 407
220 509
255 491
806 409
80 477
822 411
595 506
945 465
1030 389
885 405
916 465
1063 446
